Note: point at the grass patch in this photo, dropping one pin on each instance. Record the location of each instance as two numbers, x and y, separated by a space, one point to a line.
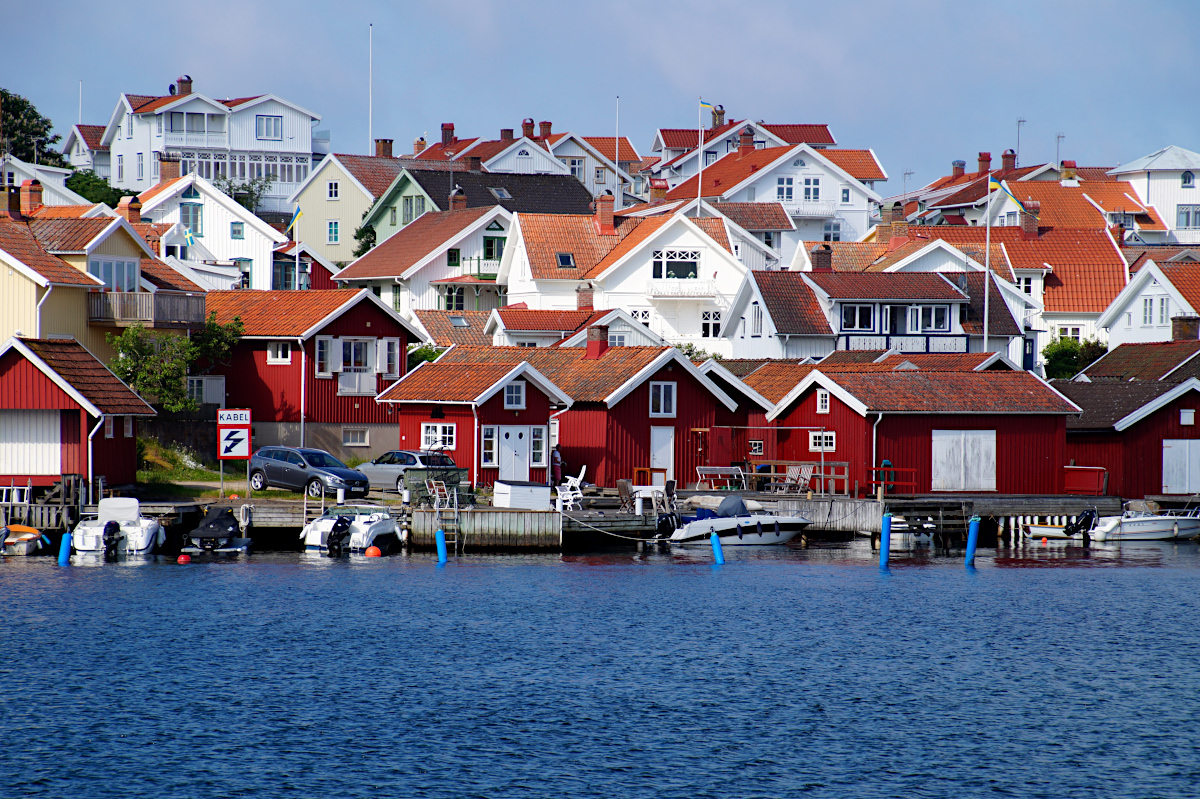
160 464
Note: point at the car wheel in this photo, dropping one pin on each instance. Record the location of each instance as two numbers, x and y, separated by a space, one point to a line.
315 489
399 485
258 481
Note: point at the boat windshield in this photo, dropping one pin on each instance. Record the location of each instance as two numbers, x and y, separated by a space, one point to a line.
353 510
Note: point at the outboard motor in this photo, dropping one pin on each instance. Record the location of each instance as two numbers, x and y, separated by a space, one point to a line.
218 528
112 539
1083 523
339 537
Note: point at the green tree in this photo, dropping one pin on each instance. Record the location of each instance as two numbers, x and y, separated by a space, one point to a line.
1091 351
248 194
426 352
96 189
25 133
365 236
156 366
1062 358
694 353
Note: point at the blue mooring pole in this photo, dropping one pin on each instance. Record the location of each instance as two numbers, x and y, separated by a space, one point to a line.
885 541
972 540
718 553
64 549
440 539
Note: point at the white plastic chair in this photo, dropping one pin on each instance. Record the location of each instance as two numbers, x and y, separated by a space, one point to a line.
571 491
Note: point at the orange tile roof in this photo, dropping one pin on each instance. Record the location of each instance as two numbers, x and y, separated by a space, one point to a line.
136 101
582 379
687 138
405 248
861 164
163 276
605 146
1146 361
801 134
1185 277
445 333
644 164
756 216
728 172
277 313
67 234
439 152
375 173
1068 206
775 380
18 240
91 135
1088 271
152 233
62 211
446 382
548 320
88 376
157 189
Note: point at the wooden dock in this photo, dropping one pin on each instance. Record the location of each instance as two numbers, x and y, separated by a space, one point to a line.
492 529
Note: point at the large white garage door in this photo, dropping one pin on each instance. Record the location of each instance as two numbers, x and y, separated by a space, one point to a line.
964 460
1181 466
29 442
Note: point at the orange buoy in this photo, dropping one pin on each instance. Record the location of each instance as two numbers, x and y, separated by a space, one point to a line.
373 552
233 496
1045 540
184 559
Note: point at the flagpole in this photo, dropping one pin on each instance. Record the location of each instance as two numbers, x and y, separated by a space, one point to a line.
617 155
700 154
987 264
370 87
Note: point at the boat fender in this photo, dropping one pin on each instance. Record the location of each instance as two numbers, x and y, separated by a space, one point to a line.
759 527
1175 530
162 536
739 527
776 528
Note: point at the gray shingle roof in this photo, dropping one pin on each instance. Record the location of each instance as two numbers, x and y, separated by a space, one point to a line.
531 194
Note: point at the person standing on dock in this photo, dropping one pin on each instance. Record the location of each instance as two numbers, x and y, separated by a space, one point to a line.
556 465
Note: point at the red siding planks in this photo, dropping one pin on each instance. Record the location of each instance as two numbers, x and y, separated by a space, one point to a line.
25 387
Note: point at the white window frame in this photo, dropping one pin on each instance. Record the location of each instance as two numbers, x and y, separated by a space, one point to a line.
120 167
823 403
932 310
666 393
1147 311
279 353
333 231
535 458
756 446
129 427
514 396
1187 417
108 427
812 189
756 320
323 356
435 435
141 170
332 190
268 127
387 354
710 324
616 339
600 176
237 230
366 436
487 446
857 317
845 195
822 441
1164 310
784 189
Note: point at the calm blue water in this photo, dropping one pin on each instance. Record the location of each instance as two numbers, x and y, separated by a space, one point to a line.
783 673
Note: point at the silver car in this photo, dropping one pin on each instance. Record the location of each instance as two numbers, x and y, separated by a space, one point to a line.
387 471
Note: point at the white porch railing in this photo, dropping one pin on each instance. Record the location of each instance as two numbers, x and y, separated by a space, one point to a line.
177 138
359 383
810 208
1186 236
681 288
931 343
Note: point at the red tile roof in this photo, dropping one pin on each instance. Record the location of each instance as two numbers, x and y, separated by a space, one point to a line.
1185 277
17 240
1068 206
976 190
67 234
686 138
775 380
952 392
1151 361
644 164
151 233
792 304
756 216
163 276
556 321
88 376
157 189
545 235
886 286
62 211
802 134
446 382
861 164
740 367
1000 318
1088 271
136 101
443 331
728 172
91 135
851 357
605 146
277 313
375 173
405 248
439 152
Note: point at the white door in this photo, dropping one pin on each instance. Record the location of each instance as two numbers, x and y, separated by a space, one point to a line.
964 460
662 450
1181 466
514 453
30 442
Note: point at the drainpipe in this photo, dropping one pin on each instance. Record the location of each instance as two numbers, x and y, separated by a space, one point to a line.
38 311
874 438
92 435
303 385
475 461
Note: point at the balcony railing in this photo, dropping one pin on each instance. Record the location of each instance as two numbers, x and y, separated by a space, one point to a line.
481 268
163 309
1186 236
809 208
682 288
931 343
180 138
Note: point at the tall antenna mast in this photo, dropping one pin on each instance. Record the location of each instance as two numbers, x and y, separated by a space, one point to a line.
1058 137
1020 122
81 101
370 87
907 172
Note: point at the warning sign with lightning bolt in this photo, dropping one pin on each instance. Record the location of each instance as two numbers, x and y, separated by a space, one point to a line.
233 434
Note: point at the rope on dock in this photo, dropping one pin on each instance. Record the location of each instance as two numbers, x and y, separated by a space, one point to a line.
600 530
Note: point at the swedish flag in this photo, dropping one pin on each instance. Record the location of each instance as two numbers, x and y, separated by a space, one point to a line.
295 217
188 238
996 185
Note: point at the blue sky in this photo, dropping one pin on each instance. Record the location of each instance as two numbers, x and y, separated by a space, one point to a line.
923 82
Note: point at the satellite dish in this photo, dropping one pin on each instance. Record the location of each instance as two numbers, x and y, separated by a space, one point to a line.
171 88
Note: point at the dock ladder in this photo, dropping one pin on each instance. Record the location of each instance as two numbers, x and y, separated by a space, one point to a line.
312 508
445 506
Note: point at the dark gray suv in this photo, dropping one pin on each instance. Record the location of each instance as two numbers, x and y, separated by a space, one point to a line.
313 471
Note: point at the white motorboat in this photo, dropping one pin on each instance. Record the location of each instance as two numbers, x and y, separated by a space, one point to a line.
735 525
1140 521
118 528
352 528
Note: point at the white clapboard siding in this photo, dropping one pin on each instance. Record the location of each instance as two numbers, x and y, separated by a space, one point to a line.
29 442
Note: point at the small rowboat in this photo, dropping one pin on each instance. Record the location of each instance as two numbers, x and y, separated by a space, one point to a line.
22 540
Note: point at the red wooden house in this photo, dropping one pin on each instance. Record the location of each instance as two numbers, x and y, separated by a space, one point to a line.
958 430
492 418
633 406
63 412
1143 433
310 364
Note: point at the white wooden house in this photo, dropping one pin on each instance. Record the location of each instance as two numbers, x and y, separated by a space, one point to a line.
1158 293
1167 180
14 172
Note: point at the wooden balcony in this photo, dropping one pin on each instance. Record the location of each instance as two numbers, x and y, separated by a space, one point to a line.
160 309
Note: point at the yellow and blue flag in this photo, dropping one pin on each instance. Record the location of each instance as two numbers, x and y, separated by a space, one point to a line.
704 104
996 185
296 216
188 237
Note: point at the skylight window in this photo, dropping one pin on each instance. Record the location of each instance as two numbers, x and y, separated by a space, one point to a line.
565 260
500 193
458 321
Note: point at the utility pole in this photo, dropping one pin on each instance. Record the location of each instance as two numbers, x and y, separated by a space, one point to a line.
1058 138
907 172
1020 122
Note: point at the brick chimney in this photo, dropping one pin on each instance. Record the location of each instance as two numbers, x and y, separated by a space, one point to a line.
12 205
168 167
1185 327
1008 159
958 168
822 258
544 129
597 342
130 208
506 134
418 145
985 162
458 200
1029 222
658 190
474 163
383 148
31 197
527 127
603 219
584 297
1068 170
183 85
447 133
745 142
718 116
